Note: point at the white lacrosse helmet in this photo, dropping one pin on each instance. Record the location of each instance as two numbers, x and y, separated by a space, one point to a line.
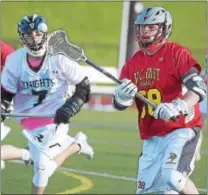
153 26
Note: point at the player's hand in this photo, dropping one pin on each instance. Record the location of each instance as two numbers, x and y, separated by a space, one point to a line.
166 111
181 106
125 92
5 107
63 115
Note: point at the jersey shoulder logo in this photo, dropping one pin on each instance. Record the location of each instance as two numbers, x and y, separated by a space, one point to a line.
172 157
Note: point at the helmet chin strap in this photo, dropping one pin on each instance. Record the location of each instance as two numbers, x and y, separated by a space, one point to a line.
147 48
38 53
159 40
160 44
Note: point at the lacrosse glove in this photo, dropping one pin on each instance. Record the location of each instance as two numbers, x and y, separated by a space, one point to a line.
125 92
166 111
69 109
5 107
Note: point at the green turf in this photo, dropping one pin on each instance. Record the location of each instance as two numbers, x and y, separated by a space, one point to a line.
116 151
96 25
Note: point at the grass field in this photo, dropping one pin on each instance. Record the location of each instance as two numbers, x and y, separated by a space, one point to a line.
117 147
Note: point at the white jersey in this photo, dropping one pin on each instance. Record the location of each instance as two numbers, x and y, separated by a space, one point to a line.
43 91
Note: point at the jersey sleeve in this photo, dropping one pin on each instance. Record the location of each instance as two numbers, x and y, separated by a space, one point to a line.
185 61
72 71
10 76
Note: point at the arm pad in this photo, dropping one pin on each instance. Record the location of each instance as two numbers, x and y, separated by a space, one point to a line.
80 96
196 84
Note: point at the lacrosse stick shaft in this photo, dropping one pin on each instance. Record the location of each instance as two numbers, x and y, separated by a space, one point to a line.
138 95
27 115
102 71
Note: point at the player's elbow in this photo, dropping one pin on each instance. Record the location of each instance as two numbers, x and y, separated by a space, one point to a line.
196 84
117 105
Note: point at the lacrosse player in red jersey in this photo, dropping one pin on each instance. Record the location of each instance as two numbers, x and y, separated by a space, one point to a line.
158 71
38 84
9 152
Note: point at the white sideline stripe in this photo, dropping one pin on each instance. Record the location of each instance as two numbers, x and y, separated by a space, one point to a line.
106 175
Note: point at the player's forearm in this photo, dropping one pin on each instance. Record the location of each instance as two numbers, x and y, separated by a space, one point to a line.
80 96
191 99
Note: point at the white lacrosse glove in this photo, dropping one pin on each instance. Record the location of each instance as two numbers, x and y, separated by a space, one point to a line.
181 106
125 92
166 111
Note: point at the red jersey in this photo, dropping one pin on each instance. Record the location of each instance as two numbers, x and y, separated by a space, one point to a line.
158 78
6 49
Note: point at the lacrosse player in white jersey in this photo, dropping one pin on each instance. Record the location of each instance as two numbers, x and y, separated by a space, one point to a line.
38 83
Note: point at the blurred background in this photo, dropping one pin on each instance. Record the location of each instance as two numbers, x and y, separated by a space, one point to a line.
105 31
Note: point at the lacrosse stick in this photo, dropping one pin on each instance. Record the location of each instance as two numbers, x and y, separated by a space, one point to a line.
26 115
58 43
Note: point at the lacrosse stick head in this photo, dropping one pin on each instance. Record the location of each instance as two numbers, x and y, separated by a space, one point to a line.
58 43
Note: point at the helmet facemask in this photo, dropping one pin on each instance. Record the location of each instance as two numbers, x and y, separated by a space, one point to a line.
152 29
148 33
34 40
150 36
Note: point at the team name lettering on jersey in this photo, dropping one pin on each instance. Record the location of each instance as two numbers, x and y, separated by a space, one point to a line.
146 77
38 83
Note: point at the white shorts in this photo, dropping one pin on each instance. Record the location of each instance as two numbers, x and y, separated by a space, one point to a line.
173 151
4 131
48 141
